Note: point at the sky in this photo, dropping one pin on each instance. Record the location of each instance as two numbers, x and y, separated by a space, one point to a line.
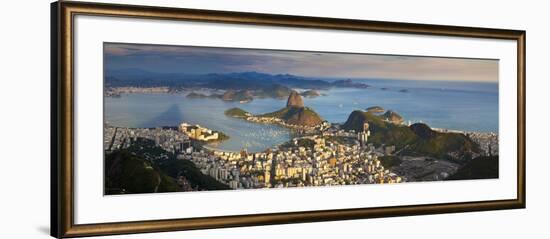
204 60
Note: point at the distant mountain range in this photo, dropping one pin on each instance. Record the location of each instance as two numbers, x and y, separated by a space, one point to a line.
416 139
228 81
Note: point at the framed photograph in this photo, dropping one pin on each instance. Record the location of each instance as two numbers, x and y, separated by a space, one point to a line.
172 119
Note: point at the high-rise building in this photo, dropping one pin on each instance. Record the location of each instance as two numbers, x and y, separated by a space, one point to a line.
364 135
244 153
267 177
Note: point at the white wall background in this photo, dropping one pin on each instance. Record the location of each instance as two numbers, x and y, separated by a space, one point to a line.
24 136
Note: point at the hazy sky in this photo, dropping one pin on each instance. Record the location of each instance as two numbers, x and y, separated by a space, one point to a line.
200 60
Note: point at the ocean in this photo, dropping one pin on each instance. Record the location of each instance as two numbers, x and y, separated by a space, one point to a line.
467 106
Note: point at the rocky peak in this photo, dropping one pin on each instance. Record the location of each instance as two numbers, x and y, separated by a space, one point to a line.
393 117
422 130
295 100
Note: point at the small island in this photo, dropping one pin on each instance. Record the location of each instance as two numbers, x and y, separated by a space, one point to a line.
195 95
242 96
375 109
349 84
237 113
310 93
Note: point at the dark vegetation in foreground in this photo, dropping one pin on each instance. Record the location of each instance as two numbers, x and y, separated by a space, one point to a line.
483 167
145 168
388 161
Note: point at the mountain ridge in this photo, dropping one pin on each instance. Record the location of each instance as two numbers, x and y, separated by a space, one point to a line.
236 80
417 139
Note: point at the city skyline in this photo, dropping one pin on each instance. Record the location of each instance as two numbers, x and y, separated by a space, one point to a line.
204 60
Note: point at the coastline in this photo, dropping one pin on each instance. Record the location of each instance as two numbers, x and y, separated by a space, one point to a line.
329 154
324 103
488 141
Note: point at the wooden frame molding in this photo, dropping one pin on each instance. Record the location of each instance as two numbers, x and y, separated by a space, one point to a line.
62 118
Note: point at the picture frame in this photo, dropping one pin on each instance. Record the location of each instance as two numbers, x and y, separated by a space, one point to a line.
63 119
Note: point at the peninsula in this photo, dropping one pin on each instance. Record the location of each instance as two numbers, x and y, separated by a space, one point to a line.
294 115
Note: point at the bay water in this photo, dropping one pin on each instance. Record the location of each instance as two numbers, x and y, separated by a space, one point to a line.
466 106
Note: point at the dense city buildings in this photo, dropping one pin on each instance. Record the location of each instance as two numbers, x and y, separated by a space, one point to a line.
257 118
168 139
320 154
329 157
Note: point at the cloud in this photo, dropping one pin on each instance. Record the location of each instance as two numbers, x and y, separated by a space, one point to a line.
188 59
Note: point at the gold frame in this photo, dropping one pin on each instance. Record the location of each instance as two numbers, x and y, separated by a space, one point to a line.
62 102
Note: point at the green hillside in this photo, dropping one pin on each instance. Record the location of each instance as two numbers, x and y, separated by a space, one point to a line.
444 143
192 173
381 131
237 112
155 169
275 91
414 140
127 173
240 95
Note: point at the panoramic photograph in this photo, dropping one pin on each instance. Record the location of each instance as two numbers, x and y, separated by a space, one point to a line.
191 118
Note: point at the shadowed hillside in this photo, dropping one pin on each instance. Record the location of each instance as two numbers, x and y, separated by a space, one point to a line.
126 172
479 168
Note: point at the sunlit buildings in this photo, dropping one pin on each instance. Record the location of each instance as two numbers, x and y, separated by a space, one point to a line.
197 132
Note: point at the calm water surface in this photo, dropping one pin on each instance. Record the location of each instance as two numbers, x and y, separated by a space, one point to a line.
452 105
